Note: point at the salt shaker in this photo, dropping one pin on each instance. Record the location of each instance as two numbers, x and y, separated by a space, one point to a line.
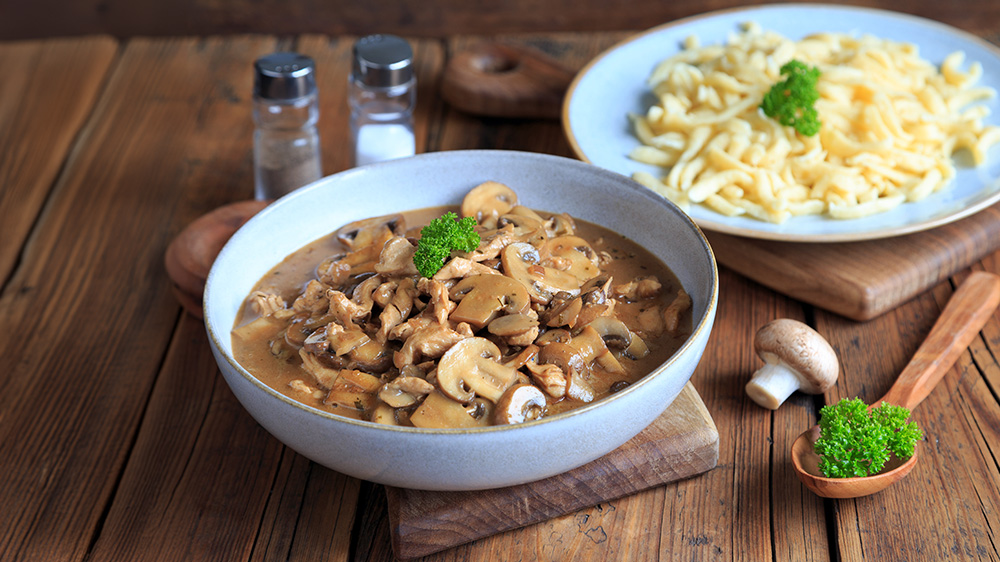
382 92
285 111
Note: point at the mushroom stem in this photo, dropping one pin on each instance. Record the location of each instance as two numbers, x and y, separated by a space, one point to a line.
772 384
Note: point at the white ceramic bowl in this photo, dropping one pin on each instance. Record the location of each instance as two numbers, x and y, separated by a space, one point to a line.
465 459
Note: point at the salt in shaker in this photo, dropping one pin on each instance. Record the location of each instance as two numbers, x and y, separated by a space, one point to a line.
382 93
285 111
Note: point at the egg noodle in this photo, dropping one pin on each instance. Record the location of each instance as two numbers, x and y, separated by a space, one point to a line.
891 122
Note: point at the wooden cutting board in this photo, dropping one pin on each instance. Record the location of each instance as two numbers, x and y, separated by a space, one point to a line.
862 280
681 443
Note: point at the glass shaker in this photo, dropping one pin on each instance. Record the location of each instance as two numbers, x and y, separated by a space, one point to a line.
285 111
382 93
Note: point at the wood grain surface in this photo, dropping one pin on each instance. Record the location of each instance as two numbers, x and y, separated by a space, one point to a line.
861 280
681 443
119 440
442 18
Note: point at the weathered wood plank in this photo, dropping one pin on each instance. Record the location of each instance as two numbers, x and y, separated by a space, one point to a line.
124 18
290 508
955 461
38 124
90 303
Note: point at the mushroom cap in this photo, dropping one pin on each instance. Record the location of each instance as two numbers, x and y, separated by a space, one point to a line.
489 199
360 233
520 403
802 349
521 262
482 297
471 367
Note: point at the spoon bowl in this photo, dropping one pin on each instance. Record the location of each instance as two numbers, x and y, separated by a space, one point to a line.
806 464
966 313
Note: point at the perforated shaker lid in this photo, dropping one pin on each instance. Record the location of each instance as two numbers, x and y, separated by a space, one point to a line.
382 61
284 76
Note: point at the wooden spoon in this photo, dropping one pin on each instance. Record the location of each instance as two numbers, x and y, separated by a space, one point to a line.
965 314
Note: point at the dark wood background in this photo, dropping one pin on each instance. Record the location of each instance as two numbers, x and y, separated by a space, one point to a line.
25 19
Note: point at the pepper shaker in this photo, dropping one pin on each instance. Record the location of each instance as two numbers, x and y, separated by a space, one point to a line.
285 111
382 94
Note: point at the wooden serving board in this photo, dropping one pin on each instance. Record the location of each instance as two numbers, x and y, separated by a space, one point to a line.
681 443
862 280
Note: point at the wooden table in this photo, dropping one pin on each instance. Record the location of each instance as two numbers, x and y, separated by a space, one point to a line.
119 439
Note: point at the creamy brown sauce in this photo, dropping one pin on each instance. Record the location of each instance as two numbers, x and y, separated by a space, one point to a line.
264 353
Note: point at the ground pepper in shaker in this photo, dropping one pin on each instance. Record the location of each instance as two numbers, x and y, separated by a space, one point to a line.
285 111
382 93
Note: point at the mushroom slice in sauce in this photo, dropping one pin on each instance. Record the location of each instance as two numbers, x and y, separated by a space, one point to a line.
440 411
520 403
616 334
470 368
580 257
512 325
521 262
359 234
487 201
482 297
525 228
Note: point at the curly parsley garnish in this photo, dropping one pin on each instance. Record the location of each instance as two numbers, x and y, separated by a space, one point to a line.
856 441
440 237
791 100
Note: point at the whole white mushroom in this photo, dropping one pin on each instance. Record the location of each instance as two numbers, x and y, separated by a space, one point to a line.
796 357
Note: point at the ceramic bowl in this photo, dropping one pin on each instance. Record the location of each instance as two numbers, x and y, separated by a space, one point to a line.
461 459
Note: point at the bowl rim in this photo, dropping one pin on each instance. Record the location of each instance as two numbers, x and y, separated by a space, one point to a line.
702 324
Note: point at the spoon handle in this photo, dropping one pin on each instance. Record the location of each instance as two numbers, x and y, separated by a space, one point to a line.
962 318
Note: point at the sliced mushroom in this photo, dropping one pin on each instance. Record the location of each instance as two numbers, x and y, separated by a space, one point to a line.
482 297
616 334
565 314
580 257
487 201
564 356
353 390
359 234
385 415
512 325
592 348
481 411
470 368
560 225
554 336
520 403
521 262
440 411
525 228
527 355
550 377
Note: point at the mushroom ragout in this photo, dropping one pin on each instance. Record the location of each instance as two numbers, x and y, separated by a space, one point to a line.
548 314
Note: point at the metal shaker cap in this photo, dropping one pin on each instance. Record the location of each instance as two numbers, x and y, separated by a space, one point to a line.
382 61
284 76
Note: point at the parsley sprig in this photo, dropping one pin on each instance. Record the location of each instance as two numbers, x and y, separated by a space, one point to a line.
440 237
791 100
856 441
